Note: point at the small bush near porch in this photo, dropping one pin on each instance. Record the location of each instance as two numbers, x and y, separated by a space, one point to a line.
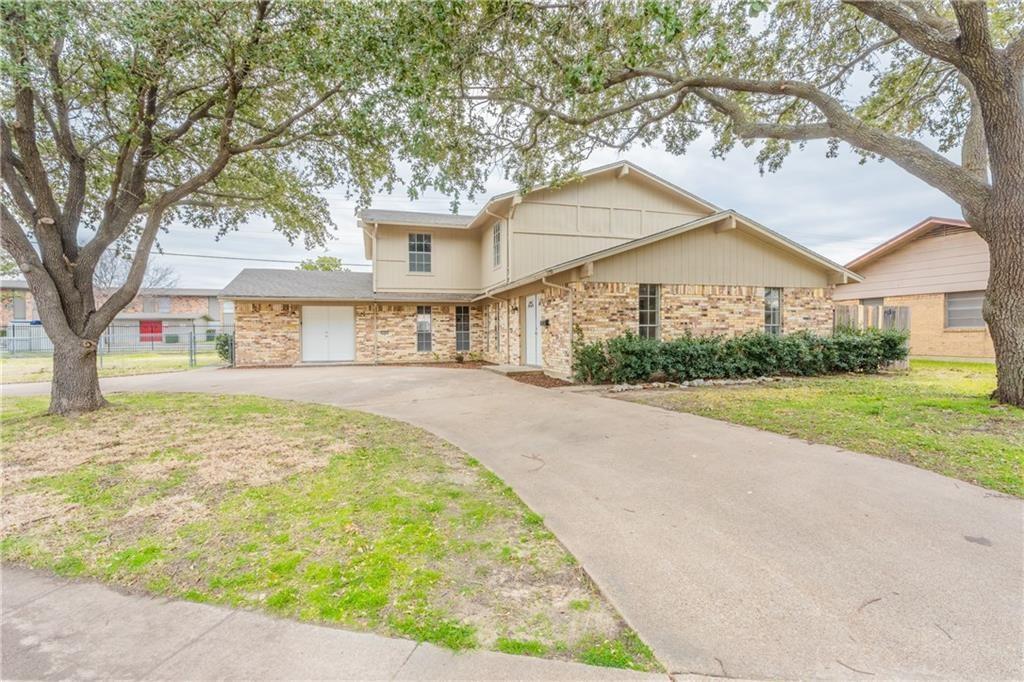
937 416
306 511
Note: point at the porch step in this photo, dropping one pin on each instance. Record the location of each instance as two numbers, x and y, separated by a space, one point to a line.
505 370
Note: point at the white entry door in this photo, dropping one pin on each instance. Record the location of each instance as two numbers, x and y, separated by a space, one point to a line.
533 338
328 333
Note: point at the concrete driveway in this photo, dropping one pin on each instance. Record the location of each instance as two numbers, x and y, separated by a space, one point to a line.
731 551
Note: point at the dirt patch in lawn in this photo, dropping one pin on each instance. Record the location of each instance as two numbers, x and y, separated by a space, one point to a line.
306 511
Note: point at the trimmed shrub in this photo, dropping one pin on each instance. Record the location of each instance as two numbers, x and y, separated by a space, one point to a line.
223 345
632 359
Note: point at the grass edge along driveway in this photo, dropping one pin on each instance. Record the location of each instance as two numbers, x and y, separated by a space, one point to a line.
937 416
306 511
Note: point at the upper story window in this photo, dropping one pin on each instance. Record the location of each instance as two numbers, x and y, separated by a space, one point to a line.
963 310
419 253
149 305
773 310
165 304
650 311
212 307
497 244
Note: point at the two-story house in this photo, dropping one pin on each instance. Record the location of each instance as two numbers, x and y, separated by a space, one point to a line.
618 249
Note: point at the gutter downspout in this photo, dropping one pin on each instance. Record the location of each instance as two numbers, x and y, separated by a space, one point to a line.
567 290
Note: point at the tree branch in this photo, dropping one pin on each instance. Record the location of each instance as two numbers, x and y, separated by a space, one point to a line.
923 35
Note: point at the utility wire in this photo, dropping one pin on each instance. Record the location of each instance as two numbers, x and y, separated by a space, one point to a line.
261 260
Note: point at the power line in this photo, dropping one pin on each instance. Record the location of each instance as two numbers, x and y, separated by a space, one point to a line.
261 260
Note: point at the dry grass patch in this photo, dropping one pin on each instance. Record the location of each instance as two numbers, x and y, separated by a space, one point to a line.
308 511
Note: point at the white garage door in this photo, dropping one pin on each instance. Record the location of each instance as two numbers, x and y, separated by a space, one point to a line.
328 333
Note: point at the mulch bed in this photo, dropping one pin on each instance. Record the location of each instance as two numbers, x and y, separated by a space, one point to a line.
542 380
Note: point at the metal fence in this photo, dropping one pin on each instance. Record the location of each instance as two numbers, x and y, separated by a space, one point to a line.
191 339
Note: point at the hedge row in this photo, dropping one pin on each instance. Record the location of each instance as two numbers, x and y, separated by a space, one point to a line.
632 359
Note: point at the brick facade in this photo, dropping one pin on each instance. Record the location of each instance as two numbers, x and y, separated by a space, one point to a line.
267 334
603 310
270 334
386 333
195 305
928 333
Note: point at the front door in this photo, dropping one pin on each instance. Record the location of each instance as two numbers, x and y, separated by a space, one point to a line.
328 333
533 337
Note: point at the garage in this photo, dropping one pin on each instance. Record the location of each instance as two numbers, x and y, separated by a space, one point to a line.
328 333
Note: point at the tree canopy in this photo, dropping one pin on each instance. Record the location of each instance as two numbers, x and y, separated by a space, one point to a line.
323 263
122 120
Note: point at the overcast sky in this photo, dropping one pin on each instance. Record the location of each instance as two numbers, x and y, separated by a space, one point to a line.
836 207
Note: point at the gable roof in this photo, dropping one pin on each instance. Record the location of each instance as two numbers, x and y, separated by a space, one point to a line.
315 285
706 221
463 221
905 237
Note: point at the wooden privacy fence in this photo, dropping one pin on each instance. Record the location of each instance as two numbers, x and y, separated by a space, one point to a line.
874 317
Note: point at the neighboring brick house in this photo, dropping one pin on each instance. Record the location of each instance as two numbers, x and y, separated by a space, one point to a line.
617 250
151 311
939 269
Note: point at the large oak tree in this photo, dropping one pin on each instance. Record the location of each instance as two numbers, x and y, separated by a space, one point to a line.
124 119
936 88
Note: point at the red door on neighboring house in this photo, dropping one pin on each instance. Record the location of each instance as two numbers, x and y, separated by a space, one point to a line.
151 330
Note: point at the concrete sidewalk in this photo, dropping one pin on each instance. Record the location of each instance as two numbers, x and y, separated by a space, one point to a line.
59 629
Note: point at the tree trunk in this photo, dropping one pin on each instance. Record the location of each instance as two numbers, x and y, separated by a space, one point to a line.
1004 299
76 384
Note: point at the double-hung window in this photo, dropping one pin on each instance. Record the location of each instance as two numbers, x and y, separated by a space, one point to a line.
963 310
461 328
650 311
165 304
496 244
773 310
423 331
419 253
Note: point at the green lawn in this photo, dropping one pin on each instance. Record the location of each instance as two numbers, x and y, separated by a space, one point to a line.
40 367
306 511
936 416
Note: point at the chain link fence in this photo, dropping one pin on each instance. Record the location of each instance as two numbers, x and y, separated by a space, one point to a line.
195 343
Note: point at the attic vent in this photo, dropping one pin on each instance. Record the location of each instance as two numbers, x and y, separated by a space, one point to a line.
942 231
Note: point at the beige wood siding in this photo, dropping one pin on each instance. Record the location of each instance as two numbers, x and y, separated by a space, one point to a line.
704 256
455 261
555 225
956 262
489 274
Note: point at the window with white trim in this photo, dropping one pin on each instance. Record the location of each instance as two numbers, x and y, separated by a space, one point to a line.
462 328
963 310
165 304
773 310
650 311
419 252
424 335
496 244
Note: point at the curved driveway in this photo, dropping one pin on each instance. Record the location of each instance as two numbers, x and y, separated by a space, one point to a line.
730 550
